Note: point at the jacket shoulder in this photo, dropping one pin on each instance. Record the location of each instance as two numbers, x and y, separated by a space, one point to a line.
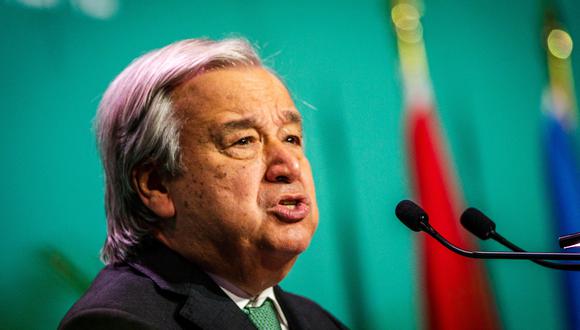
122 297
104 318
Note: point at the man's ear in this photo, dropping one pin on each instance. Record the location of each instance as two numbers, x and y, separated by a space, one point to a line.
152 190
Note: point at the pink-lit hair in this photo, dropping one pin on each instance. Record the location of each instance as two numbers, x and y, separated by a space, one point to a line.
135 123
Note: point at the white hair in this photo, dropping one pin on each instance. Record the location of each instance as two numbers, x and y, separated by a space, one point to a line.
135 123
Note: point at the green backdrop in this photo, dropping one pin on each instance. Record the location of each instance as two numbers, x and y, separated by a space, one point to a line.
488 72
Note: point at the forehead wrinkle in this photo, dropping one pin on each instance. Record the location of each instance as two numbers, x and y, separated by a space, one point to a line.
257 120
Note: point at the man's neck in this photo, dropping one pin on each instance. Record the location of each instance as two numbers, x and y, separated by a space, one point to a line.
225 284
250 275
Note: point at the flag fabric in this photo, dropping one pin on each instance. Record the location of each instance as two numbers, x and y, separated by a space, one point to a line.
457 292
562 168
564 182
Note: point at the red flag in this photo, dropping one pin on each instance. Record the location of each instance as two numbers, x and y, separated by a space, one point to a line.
457 294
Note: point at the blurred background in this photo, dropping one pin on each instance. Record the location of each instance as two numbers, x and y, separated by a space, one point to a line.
340 60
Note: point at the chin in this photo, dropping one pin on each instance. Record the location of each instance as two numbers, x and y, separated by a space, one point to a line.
292 243
293 248
278 254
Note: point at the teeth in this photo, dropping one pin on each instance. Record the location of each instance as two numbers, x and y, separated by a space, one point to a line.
289 203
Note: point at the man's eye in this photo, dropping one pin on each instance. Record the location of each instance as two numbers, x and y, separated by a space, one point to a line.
294 139
245 141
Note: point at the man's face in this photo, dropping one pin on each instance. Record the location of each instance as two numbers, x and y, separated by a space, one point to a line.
247 190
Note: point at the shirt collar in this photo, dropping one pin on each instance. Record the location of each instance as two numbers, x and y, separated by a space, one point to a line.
242 299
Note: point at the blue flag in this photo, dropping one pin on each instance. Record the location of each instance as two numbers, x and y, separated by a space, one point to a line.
564 183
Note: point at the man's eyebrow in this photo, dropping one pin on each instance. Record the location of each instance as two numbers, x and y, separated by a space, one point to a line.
293 117
239 124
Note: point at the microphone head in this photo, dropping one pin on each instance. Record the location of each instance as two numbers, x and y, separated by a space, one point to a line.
477 223
411 215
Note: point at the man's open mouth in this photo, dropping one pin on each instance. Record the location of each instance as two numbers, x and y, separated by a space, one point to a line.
291 208
290 203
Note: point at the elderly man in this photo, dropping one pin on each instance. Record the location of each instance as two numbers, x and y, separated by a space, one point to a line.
209 196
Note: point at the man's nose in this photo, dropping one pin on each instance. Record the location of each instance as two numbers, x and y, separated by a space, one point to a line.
283 164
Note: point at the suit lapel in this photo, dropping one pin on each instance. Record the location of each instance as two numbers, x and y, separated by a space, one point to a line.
206 305
294 314
210 308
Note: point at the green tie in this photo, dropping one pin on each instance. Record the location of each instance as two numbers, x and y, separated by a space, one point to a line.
264 317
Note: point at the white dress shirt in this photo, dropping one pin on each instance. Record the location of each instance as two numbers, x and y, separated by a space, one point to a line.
242 299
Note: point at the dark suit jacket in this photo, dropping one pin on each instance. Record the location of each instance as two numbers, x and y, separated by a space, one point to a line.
162 290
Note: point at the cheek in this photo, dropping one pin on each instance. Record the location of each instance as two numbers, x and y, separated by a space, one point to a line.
232 196
309 186
216 186
244 181
308 180
228 187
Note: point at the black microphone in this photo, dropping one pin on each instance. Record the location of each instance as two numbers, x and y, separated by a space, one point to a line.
414 217
483 227
411 215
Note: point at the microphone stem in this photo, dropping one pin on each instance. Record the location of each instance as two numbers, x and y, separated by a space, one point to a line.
497 255
503 241
554 265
